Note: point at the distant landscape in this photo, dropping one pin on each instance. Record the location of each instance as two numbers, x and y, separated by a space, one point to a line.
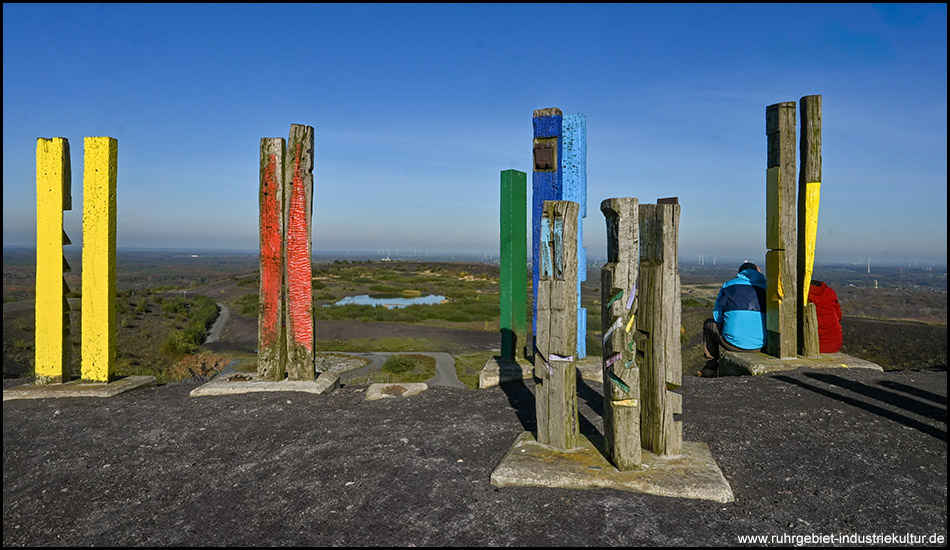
166 301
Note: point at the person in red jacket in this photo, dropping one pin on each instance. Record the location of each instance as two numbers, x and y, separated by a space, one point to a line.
828 311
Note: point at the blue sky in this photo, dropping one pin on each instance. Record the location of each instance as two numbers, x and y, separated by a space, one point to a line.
418 108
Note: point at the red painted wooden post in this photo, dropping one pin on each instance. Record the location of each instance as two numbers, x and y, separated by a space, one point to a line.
298 200
271 353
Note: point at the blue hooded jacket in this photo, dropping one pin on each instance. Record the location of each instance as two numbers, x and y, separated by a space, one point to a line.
740 309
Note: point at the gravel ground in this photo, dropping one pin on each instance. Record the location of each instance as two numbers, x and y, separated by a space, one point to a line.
837 452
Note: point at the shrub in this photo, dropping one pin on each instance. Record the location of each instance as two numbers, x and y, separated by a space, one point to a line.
398 364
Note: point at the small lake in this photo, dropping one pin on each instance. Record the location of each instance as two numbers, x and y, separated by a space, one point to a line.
366 300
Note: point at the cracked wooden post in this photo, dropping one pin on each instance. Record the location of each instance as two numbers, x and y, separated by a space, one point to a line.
298 204
272 351
98 258
658 319
618 298
556 335
809 193
53 349
781 233
513 276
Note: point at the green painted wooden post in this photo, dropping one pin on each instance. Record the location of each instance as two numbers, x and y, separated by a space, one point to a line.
514 263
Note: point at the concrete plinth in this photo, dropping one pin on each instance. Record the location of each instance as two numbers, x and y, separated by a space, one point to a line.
498 371
237 383
755 363
693 474
78 388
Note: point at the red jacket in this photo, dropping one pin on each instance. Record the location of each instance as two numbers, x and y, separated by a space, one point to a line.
829 316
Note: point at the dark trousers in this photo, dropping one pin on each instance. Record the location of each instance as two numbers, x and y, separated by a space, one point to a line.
713 340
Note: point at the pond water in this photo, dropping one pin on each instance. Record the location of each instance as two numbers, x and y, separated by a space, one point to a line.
366 300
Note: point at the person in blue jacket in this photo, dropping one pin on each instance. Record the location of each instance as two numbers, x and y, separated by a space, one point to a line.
738 321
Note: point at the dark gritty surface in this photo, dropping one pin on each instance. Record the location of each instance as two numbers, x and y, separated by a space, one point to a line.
806 452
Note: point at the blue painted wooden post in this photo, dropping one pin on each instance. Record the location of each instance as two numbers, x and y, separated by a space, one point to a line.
545 186
560 173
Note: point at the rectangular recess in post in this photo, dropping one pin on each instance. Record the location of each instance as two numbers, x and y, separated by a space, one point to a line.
545 155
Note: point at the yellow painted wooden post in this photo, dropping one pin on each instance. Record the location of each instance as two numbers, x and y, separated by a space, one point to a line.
809 192
98 258
53 183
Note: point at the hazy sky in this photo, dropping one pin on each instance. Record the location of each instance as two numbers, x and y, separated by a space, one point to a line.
418 108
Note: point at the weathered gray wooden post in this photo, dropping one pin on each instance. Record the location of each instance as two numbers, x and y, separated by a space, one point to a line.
618 292
658 319
781 233
809 189
556 337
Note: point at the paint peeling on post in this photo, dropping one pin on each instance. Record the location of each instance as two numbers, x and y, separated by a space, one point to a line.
53 195
560 173
98 258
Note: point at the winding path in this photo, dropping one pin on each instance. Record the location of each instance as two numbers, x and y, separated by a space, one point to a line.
221 323
444 367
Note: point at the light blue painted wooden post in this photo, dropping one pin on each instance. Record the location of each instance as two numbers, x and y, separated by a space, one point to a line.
574 185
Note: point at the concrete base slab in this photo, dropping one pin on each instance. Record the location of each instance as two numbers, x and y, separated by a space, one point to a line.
236 383
693 474
382 391
78 388
733 363
498 371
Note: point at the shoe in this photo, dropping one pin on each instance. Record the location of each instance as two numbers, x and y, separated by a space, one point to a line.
708 371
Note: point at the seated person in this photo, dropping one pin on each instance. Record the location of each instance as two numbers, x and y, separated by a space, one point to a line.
738 321
828 311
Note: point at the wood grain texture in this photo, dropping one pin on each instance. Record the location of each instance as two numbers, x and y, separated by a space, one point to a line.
658 320
556 334
619 304
781 226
